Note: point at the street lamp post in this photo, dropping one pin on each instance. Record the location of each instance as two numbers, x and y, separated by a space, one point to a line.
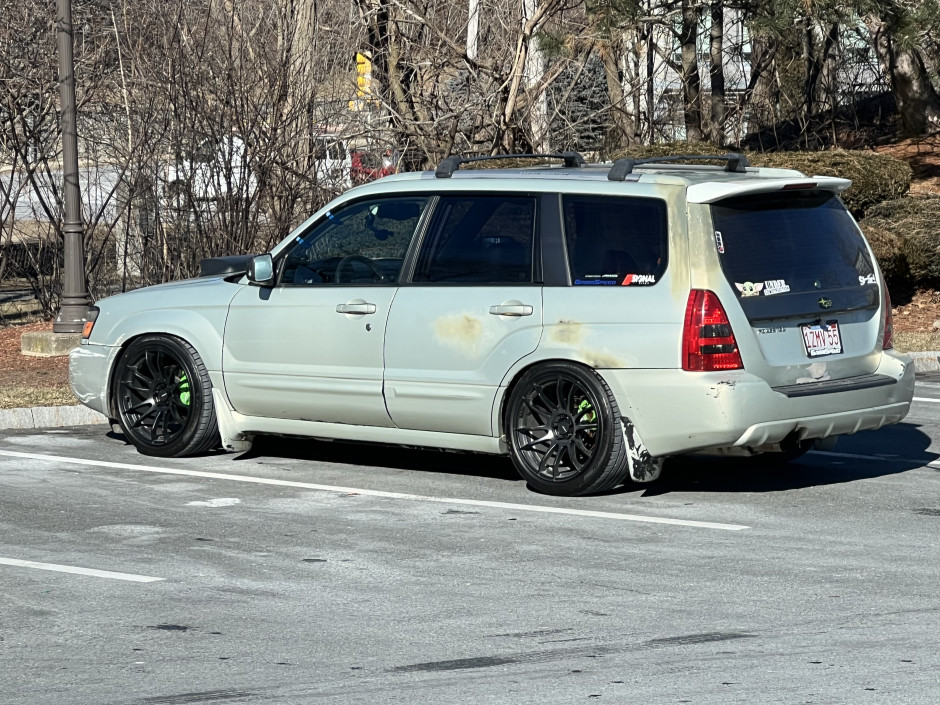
75 299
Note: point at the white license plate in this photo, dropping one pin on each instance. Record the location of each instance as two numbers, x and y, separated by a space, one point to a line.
822 339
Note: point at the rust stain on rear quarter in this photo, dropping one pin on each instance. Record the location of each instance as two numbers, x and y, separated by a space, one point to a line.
461 331
601 359
566 333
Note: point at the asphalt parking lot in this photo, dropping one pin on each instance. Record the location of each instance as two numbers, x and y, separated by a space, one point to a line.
321 572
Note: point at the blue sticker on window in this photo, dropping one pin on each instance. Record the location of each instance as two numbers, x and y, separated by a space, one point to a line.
595 282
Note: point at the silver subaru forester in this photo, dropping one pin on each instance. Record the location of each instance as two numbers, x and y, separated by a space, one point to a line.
590 320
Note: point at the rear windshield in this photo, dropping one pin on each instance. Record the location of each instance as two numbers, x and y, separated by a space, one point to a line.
615 241
792 254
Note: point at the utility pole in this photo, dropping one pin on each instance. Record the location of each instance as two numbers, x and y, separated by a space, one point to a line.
75 300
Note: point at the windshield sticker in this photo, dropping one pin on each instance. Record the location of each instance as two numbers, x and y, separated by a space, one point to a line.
720 241
639 279
750 288
867 279
775 286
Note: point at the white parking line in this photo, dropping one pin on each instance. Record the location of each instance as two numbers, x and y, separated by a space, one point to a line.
879 458
378 493
79 571
930 399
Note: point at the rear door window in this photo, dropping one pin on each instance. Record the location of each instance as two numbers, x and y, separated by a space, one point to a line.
479 239
793 254
615 241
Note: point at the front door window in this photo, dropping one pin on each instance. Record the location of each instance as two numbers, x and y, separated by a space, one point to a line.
359 244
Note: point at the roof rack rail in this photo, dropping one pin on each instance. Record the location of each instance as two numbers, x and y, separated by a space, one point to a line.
450 164
622 167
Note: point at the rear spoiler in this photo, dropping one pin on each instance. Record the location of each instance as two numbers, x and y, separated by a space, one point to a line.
717 191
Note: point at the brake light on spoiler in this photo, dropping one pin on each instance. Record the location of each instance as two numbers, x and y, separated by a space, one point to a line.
708 343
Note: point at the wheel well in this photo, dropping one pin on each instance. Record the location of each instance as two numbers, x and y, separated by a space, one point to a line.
515 380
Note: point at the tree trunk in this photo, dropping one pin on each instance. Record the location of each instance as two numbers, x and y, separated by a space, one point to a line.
763 93
538 103
917 101
623 129
691 81
820 51
716 71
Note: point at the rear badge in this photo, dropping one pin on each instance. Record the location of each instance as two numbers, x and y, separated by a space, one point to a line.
750 288
824 302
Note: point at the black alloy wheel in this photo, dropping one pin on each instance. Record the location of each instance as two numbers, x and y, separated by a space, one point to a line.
564 431
163 397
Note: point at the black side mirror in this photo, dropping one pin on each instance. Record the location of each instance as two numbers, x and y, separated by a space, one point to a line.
261 270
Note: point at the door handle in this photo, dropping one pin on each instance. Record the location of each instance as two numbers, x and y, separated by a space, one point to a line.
361 309
511 310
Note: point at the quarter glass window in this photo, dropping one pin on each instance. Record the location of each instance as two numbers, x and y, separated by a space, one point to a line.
615 241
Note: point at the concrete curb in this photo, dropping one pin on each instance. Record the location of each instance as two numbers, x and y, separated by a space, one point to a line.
49 417
78 415
926 361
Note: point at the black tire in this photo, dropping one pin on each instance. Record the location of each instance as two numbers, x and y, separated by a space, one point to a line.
565 432
162 397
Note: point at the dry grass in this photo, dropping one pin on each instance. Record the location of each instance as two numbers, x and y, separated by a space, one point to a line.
27 380
917 342
15 397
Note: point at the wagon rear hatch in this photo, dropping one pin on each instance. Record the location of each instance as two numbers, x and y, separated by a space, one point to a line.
806 282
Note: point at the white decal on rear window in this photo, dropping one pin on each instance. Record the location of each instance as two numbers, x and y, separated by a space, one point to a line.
775 286
867 279
750 288
720 241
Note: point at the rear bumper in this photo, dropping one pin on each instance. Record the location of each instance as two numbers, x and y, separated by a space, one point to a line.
680 412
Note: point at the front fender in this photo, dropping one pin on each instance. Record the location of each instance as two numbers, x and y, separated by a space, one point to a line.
203 332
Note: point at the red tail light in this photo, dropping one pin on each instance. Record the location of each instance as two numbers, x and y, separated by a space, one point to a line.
708 343
888 341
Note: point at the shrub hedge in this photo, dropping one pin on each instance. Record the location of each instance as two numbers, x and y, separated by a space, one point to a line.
912 252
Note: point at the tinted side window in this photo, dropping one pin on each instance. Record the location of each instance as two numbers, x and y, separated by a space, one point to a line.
361 243
615 241
479 239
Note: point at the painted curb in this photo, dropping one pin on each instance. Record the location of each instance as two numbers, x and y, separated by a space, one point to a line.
49 417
